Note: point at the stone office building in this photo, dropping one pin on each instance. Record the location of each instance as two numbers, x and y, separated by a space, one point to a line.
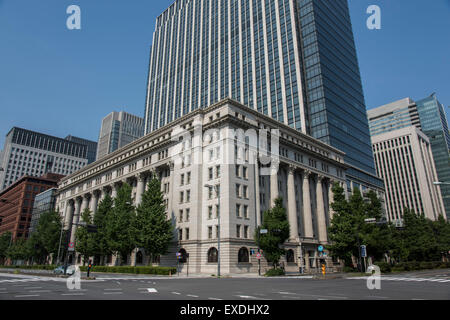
189 167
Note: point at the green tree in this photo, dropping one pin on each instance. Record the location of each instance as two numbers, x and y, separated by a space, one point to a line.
276 222
120 224
101 244
84 243
154 230
417 238
5 241
44 241
441 231
18 250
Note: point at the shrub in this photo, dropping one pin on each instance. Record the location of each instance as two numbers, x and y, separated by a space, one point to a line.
349 269
132 270
385 267
274 272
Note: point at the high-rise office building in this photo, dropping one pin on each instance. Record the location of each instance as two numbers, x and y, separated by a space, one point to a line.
34 154
404 160
91 147
43 202
118 129
293 60
429 116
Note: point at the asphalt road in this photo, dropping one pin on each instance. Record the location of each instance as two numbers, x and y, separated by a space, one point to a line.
431 285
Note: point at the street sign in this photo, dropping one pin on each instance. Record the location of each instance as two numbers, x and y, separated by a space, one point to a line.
320 248
263 231
363 251
258 256
370 220
71 245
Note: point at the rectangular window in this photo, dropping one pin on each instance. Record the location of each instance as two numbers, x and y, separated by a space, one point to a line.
246 232
217 171
182 179
245 192
238 191
180 234
244 173
187 233
238 210
188 196
181 196
188 178
209 232
238 231
210 212
188 211
210 173
180 219
246 212
238 170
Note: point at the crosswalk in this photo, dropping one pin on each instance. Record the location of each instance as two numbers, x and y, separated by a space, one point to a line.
412 279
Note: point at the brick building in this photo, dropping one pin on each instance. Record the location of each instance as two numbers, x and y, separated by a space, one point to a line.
16 203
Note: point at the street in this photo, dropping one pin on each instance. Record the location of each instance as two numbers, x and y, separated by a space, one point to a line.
423 285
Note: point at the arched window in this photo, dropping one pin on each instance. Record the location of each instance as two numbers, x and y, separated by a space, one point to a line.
139 258
212 255
290 256
243 255
183 258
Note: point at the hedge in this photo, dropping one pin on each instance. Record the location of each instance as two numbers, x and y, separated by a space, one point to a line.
274 272
43 267
412 266
133 270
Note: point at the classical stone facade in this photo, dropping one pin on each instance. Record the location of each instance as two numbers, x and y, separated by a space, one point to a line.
206 163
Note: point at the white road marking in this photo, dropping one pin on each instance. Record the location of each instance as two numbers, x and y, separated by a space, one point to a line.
39 291
247 297
112 292
214 299
152 290
27 296
191 295
112 289
177 293
72 294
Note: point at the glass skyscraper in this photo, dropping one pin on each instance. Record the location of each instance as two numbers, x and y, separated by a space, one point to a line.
293 60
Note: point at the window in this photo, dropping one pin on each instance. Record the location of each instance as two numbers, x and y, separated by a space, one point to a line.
187 233
210 173
244 172
290 256
238 210
246 212
188 211
180 219
245 193
210 212
180 234
209 232
209 193
188 196
181 196
238 231
243 255
217 171
238 171
238 193
182 179
246 232
212 255
188 178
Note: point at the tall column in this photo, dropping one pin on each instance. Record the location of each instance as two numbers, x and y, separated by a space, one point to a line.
257 197
114 188
69 214
84 203
273 186
330 199
307 216
140 188
321 219
76 219
170 212
94 202
292 206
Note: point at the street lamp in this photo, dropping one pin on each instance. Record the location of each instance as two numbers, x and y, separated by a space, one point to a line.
438 183
217 189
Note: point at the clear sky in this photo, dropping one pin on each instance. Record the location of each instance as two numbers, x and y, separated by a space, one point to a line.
60 82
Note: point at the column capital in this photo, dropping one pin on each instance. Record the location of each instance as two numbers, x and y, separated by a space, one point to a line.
306 174
292 168
320 177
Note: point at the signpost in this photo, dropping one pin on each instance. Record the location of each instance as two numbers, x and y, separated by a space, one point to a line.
71 246
364 254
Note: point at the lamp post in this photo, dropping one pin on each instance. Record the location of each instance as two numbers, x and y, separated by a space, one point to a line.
217 189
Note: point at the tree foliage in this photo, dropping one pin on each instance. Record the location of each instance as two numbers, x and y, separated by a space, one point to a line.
120 224
85 241
419 239
5 241
101 243
154 230
276 222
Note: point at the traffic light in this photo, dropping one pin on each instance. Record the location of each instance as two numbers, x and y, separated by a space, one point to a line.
91 229
324 270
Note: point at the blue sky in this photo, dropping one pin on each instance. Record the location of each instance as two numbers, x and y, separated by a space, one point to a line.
62 82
